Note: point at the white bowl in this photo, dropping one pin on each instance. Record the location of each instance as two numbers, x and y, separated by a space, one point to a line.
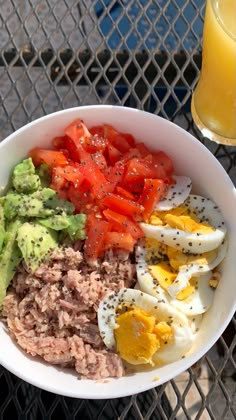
209 179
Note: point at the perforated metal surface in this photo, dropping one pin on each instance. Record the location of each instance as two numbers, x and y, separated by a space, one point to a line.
56 54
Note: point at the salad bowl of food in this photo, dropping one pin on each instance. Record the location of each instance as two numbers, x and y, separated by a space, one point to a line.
117 245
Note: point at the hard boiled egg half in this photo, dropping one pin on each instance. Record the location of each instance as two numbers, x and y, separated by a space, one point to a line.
143 330
196 226
182 247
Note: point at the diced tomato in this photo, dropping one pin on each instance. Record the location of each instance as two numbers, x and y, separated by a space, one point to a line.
139 169
160 159
124 193
132 153
97 130
78 132
105 174
114 217
94 244
152 192
119 240
58 181
116 139
144 151
59 142
95 143
133 228
72 174
122 205
122 223
81 197
92 173
115 175
113 153
50 157
100 160
129 138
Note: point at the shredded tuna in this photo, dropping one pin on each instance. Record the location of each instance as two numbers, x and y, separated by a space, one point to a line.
53 312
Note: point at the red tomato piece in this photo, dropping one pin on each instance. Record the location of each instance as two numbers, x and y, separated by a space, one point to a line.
81 197
95 143
50 157
122 223
139 169
72 174
97 130
114 176
113 216
100 160
58 181
113 153
59 142
153 190
116 139
78 132
129 138
92 174
160 159
122 205
119 240
144 151
132 153
124 193
94 244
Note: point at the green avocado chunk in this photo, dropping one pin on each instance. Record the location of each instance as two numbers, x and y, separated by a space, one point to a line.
76 228
10 257
44 173
57 222
41 203
2 227
35 241
24 179
73 225
23 205
59 206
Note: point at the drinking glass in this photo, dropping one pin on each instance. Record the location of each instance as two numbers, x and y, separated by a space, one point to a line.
213 104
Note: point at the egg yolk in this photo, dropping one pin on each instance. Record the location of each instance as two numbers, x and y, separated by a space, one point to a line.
138 336
181 218
177 258
165 276
164 262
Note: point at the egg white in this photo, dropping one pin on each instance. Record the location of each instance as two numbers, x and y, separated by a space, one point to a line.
176 194
196 243
196 303
182 333
195 322
195 269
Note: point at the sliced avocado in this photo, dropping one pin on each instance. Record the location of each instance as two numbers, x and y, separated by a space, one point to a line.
10 258
35 241
44 174
24 179
57 222
26 167
2 227
73 225
76 229
26 183
42 203
23 205
59 206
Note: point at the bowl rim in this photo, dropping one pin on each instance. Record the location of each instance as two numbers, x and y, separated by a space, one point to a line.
191 359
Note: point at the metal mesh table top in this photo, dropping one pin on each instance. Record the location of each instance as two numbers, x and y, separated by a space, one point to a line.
56 54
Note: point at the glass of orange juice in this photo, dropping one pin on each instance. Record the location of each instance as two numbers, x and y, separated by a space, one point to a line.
213 103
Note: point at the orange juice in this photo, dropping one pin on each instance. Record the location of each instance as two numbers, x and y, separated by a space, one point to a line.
214 100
